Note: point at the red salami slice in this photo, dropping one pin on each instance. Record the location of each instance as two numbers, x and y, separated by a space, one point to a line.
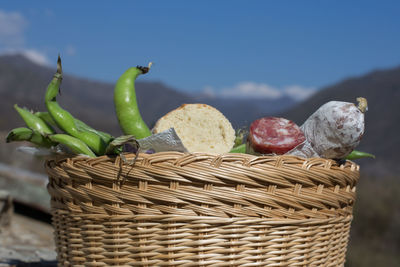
271 135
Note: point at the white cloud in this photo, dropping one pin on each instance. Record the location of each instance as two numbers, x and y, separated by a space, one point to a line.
36 56
12 38
298 92
33 55
260 90
12 26
251 89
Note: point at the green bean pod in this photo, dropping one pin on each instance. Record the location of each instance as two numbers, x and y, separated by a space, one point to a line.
34 122
25 134
107 138
46 117
355 154
64 120
74 144
126 106
80 125
239 149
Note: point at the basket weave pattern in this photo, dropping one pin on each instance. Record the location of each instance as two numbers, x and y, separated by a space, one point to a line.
175 209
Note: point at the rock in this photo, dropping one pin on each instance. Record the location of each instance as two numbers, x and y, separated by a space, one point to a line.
25 187
6 209
27 242
27 256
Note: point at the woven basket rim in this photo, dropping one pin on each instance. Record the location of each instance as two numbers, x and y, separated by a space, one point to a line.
333 162
196 184
181 159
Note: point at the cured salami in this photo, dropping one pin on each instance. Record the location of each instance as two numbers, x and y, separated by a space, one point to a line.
333 131
272 135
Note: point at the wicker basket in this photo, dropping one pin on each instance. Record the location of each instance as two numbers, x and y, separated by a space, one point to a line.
175 209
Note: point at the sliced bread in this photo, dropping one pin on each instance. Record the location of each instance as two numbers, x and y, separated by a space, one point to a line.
201 128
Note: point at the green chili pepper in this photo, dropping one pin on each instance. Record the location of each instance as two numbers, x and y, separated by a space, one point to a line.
34 122
239 149
126 106
76 145
359 155
64 120
25 134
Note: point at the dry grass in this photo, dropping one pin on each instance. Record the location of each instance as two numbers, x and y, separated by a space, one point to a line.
375 232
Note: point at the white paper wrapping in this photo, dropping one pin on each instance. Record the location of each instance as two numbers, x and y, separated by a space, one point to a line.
36 151
303 150
167 140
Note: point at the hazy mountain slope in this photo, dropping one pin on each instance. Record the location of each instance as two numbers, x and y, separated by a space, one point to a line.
382 90
241 112
24 83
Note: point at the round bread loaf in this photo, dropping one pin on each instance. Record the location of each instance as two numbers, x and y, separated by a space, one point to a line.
201 128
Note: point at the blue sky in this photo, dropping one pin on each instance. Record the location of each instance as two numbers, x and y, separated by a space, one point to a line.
231 48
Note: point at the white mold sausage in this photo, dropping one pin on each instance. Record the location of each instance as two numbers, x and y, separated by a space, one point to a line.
333 131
